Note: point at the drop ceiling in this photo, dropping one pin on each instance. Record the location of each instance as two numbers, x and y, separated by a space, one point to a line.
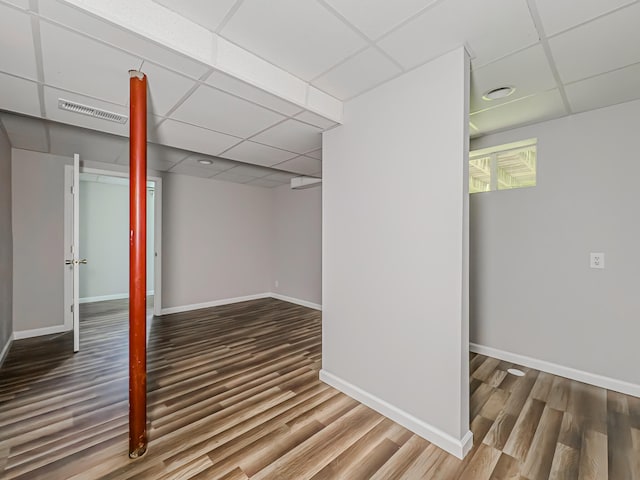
256 82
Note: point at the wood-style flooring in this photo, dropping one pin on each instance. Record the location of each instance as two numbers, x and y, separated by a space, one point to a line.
234 394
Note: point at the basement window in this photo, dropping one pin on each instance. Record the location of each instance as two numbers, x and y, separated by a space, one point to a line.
503 167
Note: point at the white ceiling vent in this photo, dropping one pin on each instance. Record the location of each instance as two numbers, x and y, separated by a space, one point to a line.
90 111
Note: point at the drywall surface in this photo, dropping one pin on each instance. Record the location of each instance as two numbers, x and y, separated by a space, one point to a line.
216 241
104 240
6 244
38 239
532 290
394 262
297 224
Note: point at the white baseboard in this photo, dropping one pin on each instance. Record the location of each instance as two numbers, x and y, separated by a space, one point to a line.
214 303
115 296
37 332
297 301
5 349
560 370
457 447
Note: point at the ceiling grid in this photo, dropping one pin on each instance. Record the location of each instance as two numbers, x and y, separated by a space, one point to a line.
258 82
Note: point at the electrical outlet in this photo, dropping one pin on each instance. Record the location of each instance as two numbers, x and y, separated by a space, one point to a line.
277 283
597 260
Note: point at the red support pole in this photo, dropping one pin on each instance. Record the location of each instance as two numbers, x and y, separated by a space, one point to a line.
137 264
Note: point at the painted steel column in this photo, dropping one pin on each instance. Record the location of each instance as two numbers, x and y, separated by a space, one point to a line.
137 264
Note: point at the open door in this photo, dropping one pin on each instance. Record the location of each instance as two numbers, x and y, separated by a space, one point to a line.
72 259
76 253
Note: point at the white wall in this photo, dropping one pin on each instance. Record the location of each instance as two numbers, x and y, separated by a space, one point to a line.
104 240
533 292
297 262
395 328
38 239
216 241
219 241
6 246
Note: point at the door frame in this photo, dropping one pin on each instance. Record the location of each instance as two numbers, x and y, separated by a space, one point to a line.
157 241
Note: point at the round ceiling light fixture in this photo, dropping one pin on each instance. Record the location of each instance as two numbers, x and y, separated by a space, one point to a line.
205 161
497 93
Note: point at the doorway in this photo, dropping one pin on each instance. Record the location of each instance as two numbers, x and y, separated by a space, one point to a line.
104 227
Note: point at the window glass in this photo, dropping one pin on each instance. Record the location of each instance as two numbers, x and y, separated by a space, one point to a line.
503 167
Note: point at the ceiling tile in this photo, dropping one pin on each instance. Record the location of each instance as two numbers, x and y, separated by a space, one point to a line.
376 18
192 166
26 133
258 154
17 55
600 46
155 163
317 120
166 154
19 95
192 171
216 110
217 165
103 30
535 108
82 65
293 136
90 145
234 177
159 157
453 23
280 177
604 90
302 165
51 96
528 71
317 154
24 4
189 137
165 88
239 88
359 73
251 170
557 15
203 12
263 182
299 36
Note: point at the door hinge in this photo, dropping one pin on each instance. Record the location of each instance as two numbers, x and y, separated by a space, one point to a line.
72 308
73 189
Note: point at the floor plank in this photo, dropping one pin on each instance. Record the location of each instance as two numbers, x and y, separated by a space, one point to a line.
233 393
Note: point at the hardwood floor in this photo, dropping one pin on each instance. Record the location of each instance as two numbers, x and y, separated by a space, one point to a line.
234 394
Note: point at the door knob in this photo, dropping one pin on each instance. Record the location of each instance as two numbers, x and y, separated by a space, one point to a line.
83 261
68 262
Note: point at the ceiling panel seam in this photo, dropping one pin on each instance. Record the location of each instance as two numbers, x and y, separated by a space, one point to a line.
537 21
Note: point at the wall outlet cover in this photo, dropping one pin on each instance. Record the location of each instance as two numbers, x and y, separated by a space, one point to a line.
596 260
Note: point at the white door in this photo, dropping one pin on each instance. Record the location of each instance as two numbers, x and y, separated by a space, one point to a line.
72 258
76 253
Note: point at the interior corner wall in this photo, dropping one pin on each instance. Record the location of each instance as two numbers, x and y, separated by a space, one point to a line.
532 290
395 332
216 241
297 264
6 246
38 239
